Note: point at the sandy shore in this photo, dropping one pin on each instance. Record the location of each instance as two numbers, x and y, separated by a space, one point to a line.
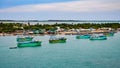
60 33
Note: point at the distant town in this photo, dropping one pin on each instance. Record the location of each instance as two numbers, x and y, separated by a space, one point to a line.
66 27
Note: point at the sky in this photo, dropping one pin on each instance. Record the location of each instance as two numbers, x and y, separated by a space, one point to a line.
59 10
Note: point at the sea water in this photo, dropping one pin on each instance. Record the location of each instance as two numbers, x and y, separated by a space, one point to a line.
75 53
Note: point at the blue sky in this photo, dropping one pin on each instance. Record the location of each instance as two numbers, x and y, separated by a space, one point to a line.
60 9
12 3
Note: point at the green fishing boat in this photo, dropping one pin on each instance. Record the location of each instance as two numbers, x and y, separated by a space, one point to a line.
86 36
24 38
29 44
57 40
109 34
98 37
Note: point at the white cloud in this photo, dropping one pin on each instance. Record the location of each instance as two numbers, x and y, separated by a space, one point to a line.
73 6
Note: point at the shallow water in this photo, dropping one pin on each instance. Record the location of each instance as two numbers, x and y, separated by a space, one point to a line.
75 53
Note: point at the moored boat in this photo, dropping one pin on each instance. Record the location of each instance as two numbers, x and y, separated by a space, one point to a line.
86 36
57 40
29 44
24 38
26 41
98 37
109 34
12 47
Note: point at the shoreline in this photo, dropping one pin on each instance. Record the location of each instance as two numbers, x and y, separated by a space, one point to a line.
58 33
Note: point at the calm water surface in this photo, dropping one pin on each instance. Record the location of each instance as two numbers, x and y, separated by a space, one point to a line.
75 53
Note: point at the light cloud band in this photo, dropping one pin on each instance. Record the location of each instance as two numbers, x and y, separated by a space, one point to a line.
73 6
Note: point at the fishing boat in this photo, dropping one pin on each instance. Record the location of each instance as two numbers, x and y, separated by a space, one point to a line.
57 40
98 37
26 41
86 36
109 34
29 44
24 38
12 47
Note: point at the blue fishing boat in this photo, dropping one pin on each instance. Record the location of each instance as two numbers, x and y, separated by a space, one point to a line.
86 36
98 37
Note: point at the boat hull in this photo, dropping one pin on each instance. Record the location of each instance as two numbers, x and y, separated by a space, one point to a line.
83 37
109 34
99 38
29 44
57 41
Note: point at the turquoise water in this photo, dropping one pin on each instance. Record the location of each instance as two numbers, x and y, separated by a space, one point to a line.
75 53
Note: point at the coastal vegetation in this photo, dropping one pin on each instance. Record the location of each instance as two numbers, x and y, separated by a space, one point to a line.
12 27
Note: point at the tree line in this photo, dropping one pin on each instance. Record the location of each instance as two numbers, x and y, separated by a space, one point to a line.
12 27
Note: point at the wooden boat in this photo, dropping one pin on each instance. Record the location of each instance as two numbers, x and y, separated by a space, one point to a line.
98 37
57 40
29 44
24 38
26 41
12 47
109 34
86 36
